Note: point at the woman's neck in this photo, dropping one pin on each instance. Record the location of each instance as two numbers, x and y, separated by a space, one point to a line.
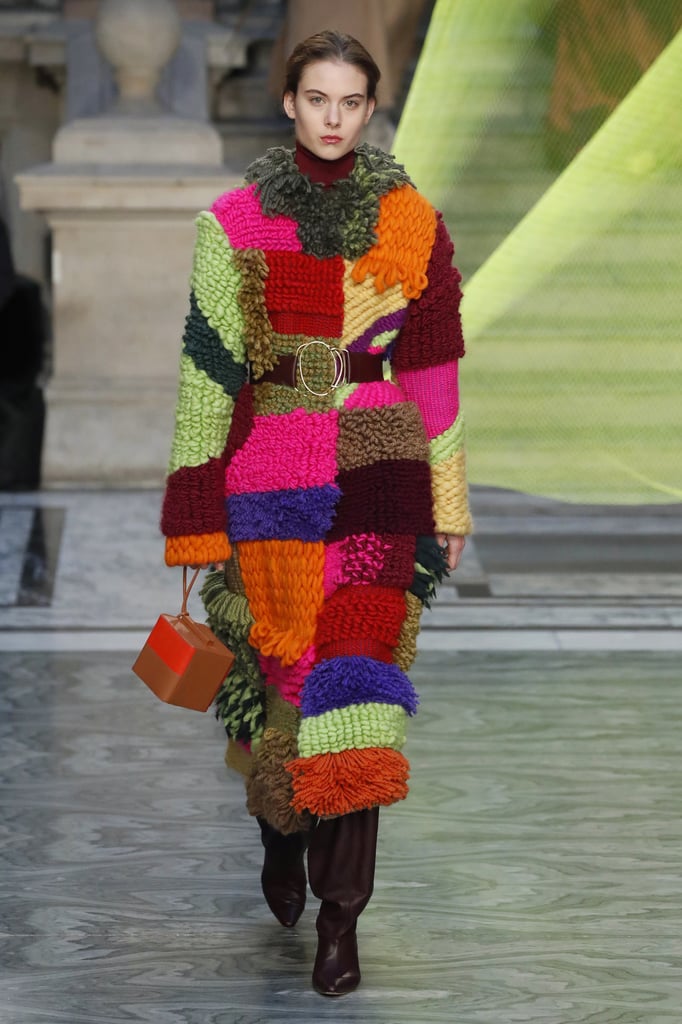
323 172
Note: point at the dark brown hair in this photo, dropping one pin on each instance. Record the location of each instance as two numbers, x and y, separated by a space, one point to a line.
330 45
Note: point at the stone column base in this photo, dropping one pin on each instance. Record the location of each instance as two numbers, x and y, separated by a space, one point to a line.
122 241
113 433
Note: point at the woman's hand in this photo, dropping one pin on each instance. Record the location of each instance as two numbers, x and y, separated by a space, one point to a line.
453 546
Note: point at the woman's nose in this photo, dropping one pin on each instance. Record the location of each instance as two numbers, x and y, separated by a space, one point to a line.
333 116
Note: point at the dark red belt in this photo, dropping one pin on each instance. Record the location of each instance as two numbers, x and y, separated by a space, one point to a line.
345 368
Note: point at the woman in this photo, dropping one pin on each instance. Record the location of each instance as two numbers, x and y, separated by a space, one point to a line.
318 464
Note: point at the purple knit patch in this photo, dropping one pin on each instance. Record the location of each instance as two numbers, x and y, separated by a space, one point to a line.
304 513
391 322
338 682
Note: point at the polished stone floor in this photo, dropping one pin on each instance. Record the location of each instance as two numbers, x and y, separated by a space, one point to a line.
534 874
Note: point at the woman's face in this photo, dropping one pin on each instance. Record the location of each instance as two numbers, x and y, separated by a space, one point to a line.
330 108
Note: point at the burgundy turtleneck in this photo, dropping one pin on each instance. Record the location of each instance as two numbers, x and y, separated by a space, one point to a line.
323 172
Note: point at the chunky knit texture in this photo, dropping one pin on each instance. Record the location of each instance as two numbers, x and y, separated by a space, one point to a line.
323 506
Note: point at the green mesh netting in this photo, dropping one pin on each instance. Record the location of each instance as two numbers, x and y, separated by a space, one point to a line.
572 385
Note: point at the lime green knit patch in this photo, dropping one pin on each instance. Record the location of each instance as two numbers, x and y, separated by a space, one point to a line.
355 727
446 444
202 418
216 281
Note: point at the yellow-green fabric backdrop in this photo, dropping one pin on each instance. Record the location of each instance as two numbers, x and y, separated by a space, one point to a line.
572 383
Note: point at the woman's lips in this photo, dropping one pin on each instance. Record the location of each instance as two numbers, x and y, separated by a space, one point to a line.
329 139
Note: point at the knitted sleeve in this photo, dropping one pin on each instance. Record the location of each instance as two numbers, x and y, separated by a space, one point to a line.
425 365
212 371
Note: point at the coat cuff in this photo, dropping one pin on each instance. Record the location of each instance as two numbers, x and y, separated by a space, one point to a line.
197 549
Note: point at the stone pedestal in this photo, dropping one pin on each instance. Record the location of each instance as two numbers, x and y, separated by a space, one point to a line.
122 246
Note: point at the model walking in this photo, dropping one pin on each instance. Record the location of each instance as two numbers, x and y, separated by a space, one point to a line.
318 465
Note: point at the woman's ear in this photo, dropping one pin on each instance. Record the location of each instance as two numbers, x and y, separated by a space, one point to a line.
371 104
288 102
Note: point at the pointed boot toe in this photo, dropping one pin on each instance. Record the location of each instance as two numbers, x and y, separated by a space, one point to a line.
337 971
285 896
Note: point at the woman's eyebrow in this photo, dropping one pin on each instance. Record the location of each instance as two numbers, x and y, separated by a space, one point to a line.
351 96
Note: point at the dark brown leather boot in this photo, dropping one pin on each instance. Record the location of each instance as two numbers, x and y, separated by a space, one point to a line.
283 877
341 859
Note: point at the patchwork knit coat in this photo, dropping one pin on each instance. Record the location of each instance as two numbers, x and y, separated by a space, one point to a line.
317 501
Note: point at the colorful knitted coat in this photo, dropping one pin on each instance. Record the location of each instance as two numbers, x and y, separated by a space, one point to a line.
316 501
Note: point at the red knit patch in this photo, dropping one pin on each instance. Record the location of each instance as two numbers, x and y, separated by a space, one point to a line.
304 294
357 614
365 647
193 502
432 333
393 496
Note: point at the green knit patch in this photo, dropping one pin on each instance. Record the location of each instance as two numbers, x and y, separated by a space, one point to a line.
430 566
354 727
240 704
341 219
228 612
448 443
216 281
202 342
202 418
240 707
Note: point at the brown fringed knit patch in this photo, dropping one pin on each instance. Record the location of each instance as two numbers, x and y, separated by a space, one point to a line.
257 329
387 432
269 791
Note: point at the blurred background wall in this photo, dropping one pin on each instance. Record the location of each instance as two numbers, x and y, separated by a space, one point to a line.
544 129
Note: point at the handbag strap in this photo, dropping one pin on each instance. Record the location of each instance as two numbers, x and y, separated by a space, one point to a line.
186 589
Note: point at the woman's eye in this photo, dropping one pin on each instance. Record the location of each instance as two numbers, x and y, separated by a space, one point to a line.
316 100
351 103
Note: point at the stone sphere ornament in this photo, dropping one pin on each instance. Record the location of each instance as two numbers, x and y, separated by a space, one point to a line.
138 38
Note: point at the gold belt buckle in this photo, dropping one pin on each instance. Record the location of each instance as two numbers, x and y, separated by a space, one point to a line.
340 365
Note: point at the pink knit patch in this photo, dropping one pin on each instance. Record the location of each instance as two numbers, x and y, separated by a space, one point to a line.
289 679
363 559
333 562
247 227
374 394
285 452
435 390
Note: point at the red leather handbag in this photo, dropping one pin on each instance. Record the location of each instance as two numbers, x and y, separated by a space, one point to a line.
182 661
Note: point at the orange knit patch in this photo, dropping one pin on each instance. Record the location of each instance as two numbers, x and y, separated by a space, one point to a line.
283 581
406 233
197 549
352 780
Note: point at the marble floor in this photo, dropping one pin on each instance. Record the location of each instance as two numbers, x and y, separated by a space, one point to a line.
533 874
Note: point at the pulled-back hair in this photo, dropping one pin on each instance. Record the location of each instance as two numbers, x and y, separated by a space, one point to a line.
330 45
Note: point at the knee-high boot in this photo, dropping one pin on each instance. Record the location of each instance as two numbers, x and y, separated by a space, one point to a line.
283 877
341 859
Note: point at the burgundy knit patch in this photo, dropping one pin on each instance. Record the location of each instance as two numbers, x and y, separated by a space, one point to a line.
393 496
432 333
304 295
240 428
193 502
